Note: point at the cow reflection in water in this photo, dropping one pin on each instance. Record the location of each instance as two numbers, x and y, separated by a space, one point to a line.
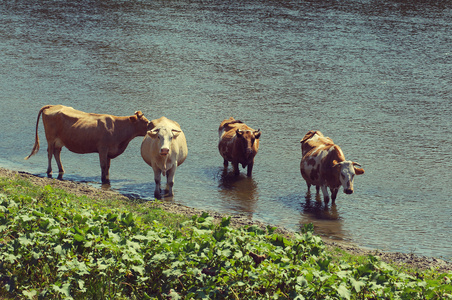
238 193
317 209
326 220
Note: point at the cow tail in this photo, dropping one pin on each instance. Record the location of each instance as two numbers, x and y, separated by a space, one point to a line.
36 146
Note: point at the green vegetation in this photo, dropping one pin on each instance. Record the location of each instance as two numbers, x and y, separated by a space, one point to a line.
54 245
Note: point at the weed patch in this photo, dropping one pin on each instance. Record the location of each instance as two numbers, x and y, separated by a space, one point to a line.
54 245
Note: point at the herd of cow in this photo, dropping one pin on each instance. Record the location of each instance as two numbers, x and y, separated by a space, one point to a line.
164 147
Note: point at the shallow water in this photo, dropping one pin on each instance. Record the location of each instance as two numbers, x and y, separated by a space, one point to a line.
375 78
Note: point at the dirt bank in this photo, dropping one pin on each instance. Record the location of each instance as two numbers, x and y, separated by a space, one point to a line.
83 189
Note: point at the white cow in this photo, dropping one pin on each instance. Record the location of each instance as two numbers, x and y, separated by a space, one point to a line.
164 148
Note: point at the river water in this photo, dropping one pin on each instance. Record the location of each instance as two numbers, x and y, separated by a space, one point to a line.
375 76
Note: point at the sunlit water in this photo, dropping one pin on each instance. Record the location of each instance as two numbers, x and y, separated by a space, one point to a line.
377 79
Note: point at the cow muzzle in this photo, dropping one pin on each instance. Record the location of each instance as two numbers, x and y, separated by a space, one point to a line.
164 151
348 191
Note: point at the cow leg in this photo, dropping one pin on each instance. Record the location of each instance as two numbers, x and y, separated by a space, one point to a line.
49 156
249 170
157 179
104 166
225 163
317 188
334 195
57 155
235 167
170 179
326 197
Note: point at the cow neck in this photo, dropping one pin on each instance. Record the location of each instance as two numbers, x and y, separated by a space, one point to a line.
128 130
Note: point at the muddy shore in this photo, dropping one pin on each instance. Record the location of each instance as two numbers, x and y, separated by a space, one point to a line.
77 188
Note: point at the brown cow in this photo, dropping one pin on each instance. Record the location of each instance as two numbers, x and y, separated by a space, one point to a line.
238 144
324 165
84 132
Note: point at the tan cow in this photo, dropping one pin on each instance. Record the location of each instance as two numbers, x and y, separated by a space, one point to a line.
164 148
83 132
324 165
238 144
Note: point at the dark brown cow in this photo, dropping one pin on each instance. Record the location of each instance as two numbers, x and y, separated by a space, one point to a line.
324 165
84 132
238 144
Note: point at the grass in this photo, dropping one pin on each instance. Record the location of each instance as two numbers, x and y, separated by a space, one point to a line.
56 245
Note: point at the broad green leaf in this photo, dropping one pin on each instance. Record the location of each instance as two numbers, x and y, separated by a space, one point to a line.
139 269
225 222
79 238
174 296
343 291
64 289
29 294
301 280
27 218
357 284
238 254
25 241
323 264
240 283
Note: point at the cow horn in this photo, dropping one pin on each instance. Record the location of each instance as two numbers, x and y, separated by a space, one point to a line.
176 132
153 133
356 164
139 114
257 133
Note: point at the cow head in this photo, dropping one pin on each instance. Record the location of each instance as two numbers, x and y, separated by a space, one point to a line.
165 137
248 138
141 122
347 171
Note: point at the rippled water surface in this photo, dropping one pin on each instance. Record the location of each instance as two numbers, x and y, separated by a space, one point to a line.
375 76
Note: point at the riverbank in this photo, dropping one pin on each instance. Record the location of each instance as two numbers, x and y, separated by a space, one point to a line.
83 189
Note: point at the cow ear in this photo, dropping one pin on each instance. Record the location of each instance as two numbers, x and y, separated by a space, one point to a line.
359 171
153 133
239 132
139 114
176 132
335 164
257 134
